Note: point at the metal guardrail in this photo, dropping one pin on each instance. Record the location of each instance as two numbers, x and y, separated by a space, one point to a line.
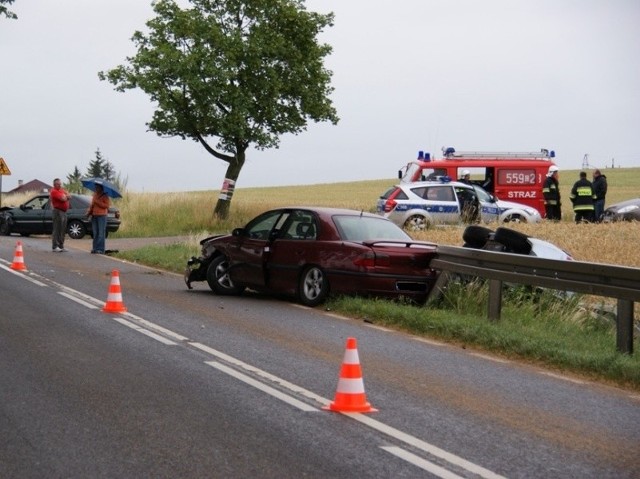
622 283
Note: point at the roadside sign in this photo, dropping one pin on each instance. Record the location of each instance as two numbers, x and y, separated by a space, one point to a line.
4 169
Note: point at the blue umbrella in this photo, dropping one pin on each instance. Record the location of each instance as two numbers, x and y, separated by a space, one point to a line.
108 187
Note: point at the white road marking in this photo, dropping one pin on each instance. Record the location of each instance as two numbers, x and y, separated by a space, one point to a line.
424 446
262 387
421 463
23 274
564 378
429 341
151 334
489 358
363 419
77 300
149 324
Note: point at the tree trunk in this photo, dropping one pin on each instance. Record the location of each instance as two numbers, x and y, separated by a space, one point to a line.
221 211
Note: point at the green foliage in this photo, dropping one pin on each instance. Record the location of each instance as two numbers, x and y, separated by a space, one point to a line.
73 184
239 72
4 11
549 330
99 167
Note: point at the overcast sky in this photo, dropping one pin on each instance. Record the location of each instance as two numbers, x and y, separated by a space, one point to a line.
409 75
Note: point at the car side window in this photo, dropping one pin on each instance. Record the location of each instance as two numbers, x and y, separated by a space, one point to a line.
261 226
439 193
37 203
301 225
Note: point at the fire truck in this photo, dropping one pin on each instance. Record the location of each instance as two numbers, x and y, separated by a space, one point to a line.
511 176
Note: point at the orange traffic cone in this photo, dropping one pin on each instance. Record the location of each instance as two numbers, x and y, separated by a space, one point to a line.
114 302
350 396
18 259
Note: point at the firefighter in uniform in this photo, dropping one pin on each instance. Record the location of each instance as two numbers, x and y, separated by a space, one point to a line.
583 199
551 194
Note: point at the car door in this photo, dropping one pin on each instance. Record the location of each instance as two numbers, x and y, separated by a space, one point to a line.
247 256
31 219
293 247
441 203
489 210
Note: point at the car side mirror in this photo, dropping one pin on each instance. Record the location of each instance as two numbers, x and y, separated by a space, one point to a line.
238 232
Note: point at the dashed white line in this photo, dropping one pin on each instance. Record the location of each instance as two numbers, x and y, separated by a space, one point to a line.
262 387
421 463
77 300
151 334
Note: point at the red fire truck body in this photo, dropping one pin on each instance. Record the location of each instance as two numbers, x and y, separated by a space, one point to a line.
511 176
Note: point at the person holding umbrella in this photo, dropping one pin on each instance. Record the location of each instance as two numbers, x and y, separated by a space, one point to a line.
98 211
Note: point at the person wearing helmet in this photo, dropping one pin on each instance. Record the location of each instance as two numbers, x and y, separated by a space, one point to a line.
466 177
551 193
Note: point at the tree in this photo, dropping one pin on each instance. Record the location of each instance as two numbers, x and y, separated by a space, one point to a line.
4 11
73 184
101 167
234 72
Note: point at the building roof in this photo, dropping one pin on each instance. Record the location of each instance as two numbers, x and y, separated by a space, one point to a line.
33 185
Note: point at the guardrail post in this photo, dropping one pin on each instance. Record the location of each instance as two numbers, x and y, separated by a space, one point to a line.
495 299
624 330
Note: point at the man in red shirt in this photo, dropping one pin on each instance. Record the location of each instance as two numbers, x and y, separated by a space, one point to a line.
59 206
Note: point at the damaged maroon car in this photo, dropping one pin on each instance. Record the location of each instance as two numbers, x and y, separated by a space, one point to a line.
311 252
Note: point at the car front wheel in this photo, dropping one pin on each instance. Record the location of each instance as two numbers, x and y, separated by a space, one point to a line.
218 278
515 218
313 287
76 230
5 228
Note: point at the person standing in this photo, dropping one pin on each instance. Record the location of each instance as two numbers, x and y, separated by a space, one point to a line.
59 199
583 197
600 189
466 177
98 210
551 194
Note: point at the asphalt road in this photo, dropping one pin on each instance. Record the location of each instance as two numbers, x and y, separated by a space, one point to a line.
187 384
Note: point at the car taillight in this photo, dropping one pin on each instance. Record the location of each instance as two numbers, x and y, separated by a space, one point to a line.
391 203
371 260
367 260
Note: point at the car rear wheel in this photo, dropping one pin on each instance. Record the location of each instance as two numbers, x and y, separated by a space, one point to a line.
314 286
76 229
416 223
218 278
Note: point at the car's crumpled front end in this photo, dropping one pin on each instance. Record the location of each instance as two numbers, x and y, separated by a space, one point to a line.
196 269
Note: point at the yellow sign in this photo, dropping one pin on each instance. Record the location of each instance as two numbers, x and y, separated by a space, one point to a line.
4 169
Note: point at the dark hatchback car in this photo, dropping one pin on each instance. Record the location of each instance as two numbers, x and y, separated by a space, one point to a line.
35 217
310 252
628 210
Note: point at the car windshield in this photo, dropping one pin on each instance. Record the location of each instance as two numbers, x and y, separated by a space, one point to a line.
367 228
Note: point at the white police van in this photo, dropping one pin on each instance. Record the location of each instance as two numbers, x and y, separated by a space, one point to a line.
418 205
